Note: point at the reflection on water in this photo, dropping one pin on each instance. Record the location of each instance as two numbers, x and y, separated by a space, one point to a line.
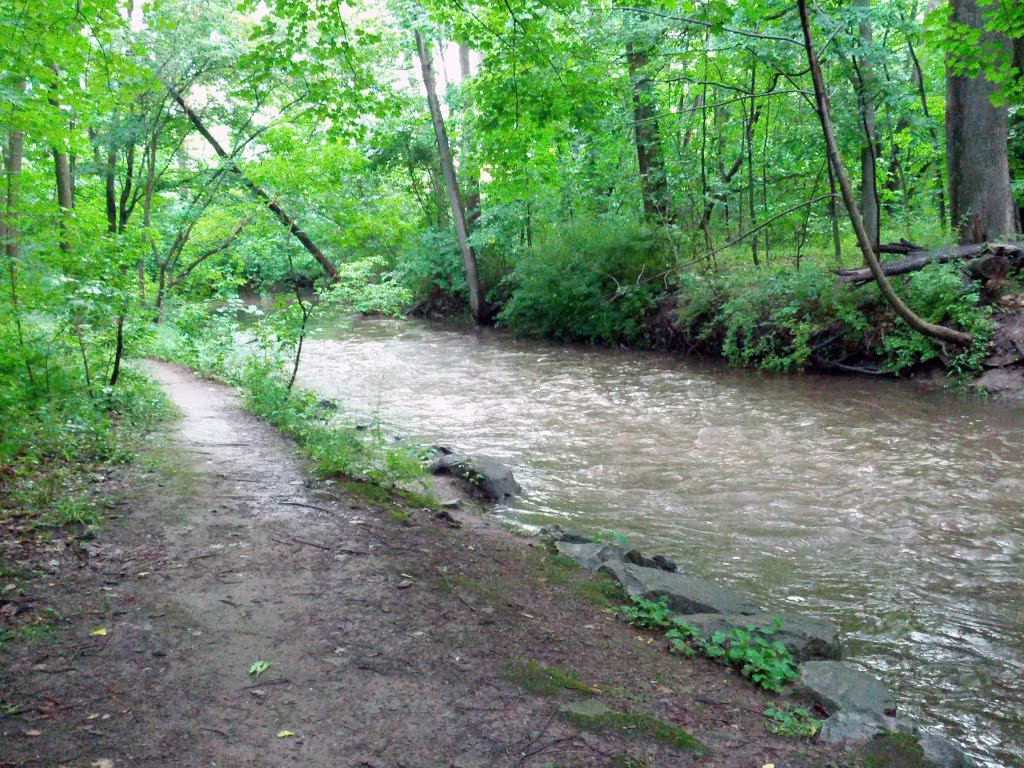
892 510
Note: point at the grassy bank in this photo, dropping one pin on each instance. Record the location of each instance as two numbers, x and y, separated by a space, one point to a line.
58 446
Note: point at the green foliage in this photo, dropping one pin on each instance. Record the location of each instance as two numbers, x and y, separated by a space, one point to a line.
751 649
594 281
771 321
937 293
791 720
51 446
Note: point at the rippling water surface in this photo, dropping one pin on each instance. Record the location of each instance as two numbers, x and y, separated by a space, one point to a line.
894 511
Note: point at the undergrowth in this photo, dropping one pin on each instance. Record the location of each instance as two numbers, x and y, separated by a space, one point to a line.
255 358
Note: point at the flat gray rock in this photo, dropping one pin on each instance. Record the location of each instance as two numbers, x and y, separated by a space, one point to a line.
590 555
487 476
840 687
852 728
805 637
683 594
556 533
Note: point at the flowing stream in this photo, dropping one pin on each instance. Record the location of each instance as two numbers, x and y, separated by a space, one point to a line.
892 510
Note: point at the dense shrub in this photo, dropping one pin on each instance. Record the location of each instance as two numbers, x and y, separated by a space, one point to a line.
593 280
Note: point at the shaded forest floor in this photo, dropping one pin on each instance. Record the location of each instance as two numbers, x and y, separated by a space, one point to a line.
396 637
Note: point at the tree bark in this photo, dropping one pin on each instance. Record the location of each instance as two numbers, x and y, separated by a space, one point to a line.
110 189
477 305
647 138
258 191
472 176
824 115
865 84
980 201
65 195
11 236
916 260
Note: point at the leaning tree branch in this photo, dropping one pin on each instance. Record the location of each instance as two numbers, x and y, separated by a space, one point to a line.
258 191
908 315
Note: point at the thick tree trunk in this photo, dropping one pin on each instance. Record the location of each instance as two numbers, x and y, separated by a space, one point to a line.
647 137
258 191
477 305
825 116
980 201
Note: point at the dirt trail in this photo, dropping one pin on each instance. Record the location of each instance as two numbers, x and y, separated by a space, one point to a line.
389 645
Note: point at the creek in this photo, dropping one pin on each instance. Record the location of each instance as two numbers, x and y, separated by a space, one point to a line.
893 510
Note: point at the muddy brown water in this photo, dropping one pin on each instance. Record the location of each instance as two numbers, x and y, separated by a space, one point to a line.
894 511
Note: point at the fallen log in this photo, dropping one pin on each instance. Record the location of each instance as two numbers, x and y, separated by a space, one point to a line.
915 261
902 247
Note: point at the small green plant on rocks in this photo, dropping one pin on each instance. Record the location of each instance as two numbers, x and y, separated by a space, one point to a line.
768 663
791 721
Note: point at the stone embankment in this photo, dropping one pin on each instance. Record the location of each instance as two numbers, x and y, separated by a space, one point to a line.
861 709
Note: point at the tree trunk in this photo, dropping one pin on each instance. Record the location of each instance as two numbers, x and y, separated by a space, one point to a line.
472 176
11 236
65 196
646 135
865 86
981 204
477 305
111 190
940 186
299 233
825 116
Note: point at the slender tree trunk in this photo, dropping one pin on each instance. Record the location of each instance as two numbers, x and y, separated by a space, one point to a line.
824 115
65 195
126 189
940 185
111 190
477 305
865 85
980 201
297 232
647 138
751 117
471 175
11 235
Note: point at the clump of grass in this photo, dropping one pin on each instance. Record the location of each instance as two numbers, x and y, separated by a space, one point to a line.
603 591
546 679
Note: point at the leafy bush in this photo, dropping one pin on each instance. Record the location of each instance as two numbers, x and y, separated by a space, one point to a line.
593 280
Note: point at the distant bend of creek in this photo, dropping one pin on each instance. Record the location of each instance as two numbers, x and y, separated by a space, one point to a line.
894 511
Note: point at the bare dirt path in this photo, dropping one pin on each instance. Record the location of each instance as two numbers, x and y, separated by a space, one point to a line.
390 644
